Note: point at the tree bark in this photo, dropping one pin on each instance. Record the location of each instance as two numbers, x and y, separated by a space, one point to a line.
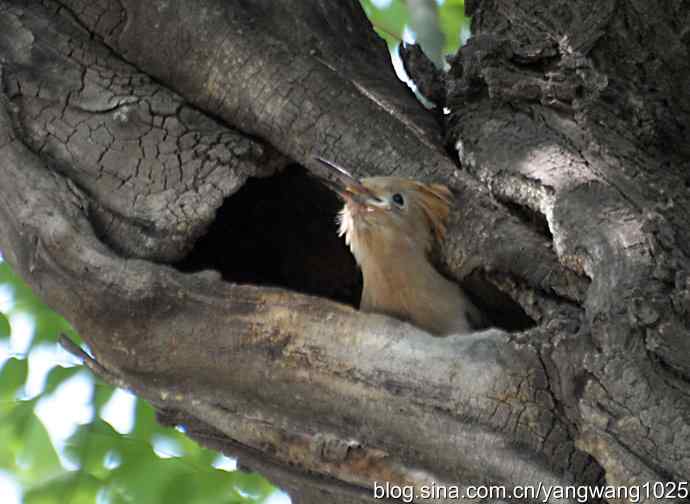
153 190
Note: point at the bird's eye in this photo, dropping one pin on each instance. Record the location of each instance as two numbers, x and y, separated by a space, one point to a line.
398 199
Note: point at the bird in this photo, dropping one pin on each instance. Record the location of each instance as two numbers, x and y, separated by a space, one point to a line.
391 225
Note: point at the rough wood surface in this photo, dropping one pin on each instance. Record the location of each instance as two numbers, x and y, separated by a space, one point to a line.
120 160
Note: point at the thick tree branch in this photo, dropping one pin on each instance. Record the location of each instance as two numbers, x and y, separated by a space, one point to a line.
583 162
325 361
277 71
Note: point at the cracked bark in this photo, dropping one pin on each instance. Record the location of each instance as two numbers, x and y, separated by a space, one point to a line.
128 167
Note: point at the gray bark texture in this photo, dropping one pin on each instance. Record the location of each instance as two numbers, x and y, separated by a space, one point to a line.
154 189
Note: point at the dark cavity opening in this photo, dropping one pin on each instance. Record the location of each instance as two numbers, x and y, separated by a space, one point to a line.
498 307
280 231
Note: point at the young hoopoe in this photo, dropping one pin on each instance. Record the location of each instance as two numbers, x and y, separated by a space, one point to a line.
390 224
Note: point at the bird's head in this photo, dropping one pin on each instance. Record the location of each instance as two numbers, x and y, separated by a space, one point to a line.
388 215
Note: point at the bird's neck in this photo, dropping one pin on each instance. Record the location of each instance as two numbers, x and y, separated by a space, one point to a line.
400 281
390 255
391 280
397 274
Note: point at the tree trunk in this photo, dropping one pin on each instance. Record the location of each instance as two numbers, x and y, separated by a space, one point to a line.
153 190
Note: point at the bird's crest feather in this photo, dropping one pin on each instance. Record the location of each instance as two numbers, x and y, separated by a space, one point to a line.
435 200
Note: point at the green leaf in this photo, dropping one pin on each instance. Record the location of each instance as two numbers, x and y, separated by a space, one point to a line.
142 475
75 487
57 376
12 377
253 484
194 487
37 453
28 443
90 443
145 425
101 394
48 323
388 22
4 327
8 459
453 20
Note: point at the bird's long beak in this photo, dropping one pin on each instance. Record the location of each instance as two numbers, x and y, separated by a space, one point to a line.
345 185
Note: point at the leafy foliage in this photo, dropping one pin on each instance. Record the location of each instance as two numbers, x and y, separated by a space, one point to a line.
97 463
47 322
391 18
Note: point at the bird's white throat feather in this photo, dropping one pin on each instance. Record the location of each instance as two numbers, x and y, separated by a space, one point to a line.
346 228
